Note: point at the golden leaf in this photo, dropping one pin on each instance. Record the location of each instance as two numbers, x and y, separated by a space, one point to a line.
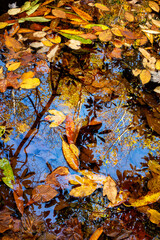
72 31
98 178
156 22
154 6
12 43
145 53
145 200
57 118
129 16
105 36
154 216
47 43
145 76
83 190
14 66
55 39
27 75
116 31
3 25
30 83
154 184
158 64
70 157
136 72
96 234
101 7
74 149
82 14
110 189
14 11
154 166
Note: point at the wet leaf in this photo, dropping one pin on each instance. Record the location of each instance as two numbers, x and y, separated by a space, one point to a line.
52 53
98 178
97 234
7 172
12 43
70 157
59 13
70 129
27 75
154 216
43 193
82 14
3 25
6 221
145 76
14 66
105 36
57 119
145 200
154 6
154 166
101 7
154 184
74 149
78 38
83 190
145 53
14 11
72 31
18 196
129 16
52 178
30 83
121 198
110 189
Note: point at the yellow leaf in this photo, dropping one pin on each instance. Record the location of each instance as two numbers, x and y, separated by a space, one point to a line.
83 190
145 76
27 75
101 7
116 31
129 16
156 22
154 216
145 200
154 6
70 157
96 234
57 118
30 83
136 72
11 42
98 178
72 31
47 43
105 36
74 149
82 14
76 180
154 184
145 53
3 25
14 66
121 198
154 166
56 39
110 189
158 64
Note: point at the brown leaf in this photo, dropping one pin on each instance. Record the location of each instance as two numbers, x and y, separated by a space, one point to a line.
110 189
82 14
52 178
70 128
12 43
14 29
6 221
105 36
59 13
121 198
145 53
18 196
43 193
128 34
116 53
70 157
96 234
129 16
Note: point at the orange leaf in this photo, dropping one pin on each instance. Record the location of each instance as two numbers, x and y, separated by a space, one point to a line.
18 196
101 7
51 178
105 36
43 193
47 2
83 190
154 6
70 157
14 29
82 14
129 17
12 43
59 13
145 76
96 234
116 53
70 128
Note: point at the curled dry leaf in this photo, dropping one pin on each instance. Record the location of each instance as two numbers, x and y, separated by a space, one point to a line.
110 189
43 193
145 76
57 118
70 157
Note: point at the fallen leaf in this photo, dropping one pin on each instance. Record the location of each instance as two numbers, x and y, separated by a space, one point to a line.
156 22
110 189
101 7
58 13
72 31
105 36
70 157
154 166
74 44
3 25
27 75
121 198
70 129
57 118
52 178
154 216
43 193
154 184
14 11
82 14
98 178
36 44
32 9
136 72
145 76
116 31
116 53
14 66
18 196
8 178
154 6
74 149
96 234
145 53
145 200
158 64
30 83
129 16
6 221
12 43
52 53
39 34
83 190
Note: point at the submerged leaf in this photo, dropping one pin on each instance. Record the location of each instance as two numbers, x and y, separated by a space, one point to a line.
8 178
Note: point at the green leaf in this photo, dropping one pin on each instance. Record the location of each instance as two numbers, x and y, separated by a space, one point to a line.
75 37
8 178
103 27
26 6
2 130
34 19
33 9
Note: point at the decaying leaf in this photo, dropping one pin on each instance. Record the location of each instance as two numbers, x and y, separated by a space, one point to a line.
96 234
70 157
43 193
56 118
110 189
6 221
52 53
